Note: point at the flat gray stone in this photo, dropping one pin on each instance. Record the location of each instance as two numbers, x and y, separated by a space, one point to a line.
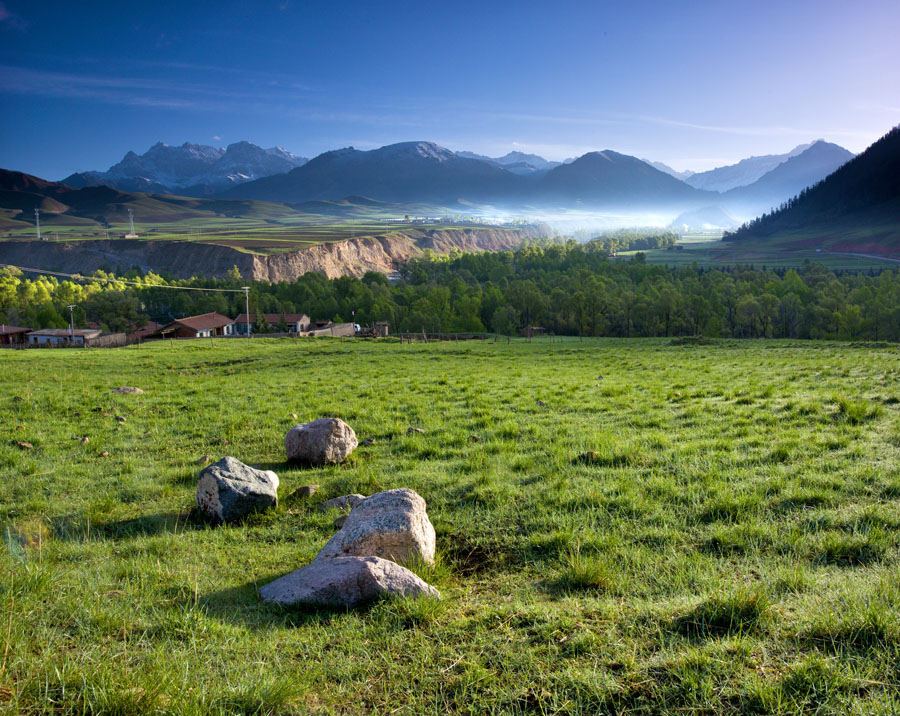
345 582
229 490
344 503
392 524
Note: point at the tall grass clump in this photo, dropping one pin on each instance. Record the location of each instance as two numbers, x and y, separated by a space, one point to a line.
736 612
856 412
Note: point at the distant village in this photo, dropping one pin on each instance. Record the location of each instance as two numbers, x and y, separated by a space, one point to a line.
206 325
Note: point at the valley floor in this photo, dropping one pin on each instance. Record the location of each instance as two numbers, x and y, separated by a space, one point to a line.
731 545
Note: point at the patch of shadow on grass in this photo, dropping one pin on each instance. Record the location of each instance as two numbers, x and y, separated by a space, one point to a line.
78 528
242 604
724 615
470 558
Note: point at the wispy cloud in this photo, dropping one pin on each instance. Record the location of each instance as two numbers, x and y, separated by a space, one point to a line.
758 131
268 99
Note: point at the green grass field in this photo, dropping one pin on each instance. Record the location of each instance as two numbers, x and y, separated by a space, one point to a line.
717 253
732 544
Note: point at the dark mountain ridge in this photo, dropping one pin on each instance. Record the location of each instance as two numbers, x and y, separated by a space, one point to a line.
864 191
427 172
790 177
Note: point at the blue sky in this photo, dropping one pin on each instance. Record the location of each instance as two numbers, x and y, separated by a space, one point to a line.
695 85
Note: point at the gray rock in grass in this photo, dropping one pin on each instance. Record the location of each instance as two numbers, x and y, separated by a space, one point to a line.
229 490
345 582
344 503
392 524
320 442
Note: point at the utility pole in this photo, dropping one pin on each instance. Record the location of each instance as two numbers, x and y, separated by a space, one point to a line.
247 309
37 222
71 322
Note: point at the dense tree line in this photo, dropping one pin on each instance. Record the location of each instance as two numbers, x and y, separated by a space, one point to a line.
568 288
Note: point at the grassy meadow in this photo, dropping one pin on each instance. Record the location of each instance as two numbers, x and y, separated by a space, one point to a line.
716 253
711 527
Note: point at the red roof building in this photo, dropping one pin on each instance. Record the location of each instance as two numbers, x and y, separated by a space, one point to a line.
13 335
205 325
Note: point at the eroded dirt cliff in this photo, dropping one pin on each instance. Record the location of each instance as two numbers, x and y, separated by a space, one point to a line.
186 258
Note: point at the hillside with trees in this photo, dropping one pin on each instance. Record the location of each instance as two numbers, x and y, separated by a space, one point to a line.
569 289
855 208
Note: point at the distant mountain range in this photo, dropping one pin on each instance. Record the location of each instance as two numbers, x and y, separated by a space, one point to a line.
424 172
191 169
516 162
743 173
790 177
668 170
855 209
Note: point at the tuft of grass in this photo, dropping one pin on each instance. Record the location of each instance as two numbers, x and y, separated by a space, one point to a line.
595 572
856 412
736 612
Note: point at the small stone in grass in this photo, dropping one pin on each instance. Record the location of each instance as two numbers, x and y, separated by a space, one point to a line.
344 502
474 438
20 427
339 521
105 453
368 441
223 441
294 416
415 431
128 390
76 415
203 460
304 491
541 403
25 446
120 418
84 440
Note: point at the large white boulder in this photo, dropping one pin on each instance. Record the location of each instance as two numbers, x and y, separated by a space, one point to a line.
392 524
345 582
320 442
229 490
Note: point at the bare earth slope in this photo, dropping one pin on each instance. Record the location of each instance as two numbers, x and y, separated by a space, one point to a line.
185 258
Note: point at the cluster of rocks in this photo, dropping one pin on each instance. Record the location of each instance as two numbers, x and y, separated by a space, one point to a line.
378 535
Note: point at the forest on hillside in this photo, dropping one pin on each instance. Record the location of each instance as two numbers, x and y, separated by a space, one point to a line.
568 288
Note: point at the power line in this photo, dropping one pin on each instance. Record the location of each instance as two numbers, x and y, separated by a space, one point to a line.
80 277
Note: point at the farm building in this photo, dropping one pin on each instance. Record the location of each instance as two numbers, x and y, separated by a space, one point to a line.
202 326
144 331
13 335
335 330
295 322
60 336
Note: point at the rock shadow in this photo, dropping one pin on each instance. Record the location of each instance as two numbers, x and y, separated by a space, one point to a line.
78 527
242 604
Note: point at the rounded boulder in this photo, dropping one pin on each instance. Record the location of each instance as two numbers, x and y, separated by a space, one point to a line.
321 442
